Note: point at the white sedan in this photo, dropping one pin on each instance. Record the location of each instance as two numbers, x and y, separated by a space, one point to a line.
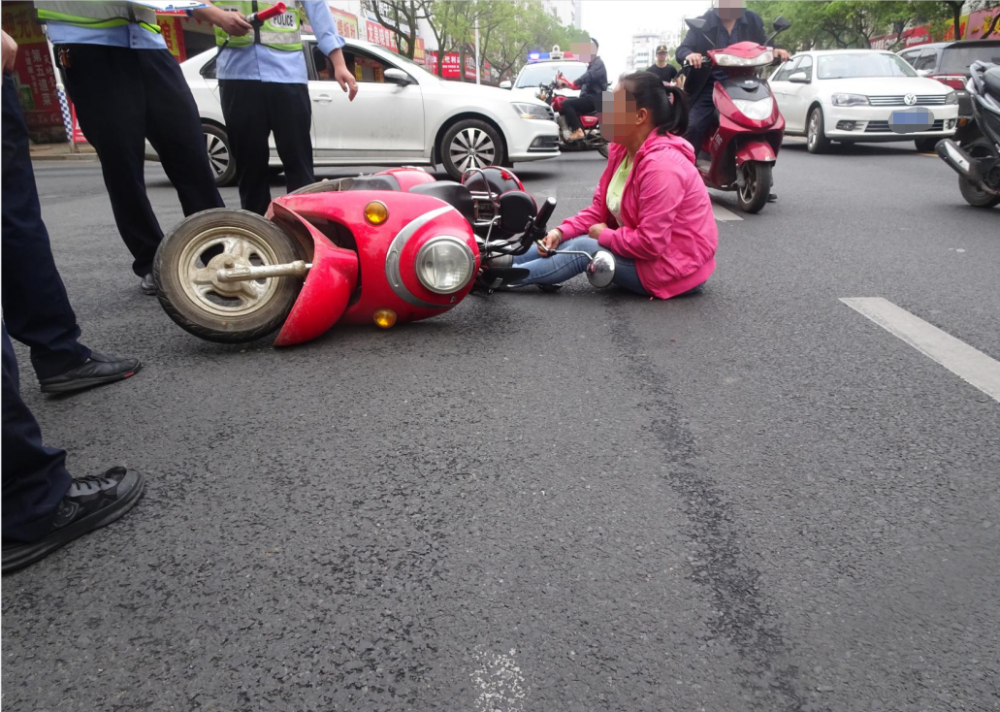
403 115
861 96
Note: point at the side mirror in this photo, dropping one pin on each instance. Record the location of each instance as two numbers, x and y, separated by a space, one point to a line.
398 76
781 24
923 72
697 23
506 84
799 78
601 270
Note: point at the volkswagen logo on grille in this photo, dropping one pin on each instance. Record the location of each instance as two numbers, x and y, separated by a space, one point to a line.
910 99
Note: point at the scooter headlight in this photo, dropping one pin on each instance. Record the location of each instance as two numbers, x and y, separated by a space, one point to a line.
445 264
759 110
731 60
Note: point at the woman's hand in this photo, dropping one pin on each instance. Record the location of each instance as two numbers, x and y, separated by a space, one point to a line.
596 230
550 242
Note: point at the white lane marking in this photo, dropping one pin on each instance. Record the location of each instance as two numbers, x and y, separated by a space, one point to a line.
723 215
500 683
969 364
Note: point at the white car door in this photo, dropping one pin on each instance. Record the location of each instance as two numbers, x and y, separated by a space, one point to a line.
779 85
799 94
384 121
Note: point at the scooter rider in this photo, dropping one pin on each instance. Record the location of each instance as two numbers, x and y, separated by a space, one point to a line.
263 85
726 24
591 84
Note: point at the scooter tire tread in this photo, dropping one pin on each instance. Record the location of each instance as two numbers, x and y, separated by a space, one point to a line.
282 302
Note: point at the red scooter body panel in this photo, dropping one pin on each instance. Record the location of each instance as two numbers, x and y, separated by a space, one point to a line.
408 177
326 291
420 217
755 151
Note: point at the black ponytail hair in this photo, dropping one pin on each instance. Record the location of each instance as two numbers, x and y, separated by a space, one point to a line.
666 104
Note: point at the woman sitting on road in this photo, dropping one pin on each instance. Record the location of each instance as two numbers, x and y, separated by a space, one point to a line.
651 208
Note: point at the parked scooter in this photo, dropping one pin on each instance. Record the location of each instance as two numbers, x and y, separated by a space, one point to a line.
744 149
977 158
592 138
388 248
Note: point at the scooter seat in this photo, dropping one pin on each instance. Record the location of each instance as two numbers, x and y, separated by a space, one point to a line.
455 194
992 79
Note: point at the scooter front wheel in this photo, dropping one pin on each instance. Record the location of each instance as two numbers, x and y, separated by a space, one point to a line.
755 186
194 269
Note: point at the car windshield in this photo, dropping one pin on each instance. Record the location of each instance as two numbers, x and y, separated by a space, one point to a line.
862 64
537 74
956 60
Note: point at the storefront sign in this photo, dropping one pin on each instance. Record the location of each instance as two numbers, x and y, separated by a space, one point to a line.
173 34
33 74
381 35
347 24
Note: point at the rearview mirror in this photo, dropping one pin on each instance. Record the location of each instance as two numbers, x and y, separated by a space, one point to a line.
799 78
398 76
601 270
781 24
923 72
505 84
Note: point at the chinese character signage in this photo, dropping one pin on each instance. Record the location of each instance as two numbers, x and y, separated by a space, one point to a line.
173 34
33 74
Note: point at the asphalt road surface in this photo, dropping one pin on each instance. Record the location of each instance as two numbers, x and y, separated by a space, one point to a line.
752 499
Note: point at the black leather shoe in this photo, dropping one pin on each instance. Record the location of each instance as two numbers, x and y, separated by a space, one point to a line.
95 371
147 285
91 503
772 198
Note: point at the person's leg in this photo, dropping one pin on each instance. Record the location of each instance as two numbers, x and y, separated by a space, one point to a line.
290 112
248 130
627 276
105 84
557 268
34 476
35 305
701 118
174 130
573 108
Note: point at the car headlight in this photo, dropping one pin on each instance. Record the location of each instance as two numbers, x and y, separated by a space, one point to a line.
952 98
758 110
849 99
445 264
531 111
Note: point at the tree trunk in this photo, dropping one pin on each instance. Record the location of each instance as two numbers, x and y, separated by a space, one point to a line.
956 11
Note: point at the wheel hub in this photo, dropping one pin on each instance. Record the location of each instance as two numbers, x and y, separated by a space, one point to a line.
222 261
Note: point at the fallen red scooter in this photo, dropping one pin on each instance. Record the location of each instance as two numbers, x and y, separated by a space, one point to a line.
392 247
744 149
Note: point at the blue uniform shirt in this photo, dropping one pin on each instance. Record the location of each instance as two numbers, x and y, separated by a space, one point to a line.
131 35
261 63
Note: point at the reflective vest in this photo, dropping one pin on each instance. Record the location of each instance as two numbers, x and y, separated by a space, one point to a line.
281 32
97 15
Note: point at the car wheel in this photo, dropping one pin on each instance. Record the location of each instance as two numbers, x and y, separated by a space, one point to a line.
816 140
471 144
220 157
926 145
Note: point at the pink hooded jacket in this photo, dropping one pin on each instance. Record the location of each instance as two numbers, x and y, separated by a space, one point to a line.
669 227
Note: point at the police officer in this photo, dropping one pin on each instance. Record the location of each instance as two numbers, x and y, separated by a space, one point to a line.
127 88
264 88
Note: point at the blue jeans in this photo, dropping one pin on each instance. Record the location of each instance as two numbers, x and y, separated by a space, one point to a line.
559 268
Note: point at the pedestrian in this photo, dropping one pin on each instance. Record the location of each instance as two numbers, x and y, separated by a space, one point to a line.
651 208
666 72
591 84
43 506
127 88
263 84
35 306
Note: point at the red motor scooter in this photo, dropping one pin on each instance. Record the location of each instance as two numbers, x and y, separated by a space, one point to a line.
744 149
392 247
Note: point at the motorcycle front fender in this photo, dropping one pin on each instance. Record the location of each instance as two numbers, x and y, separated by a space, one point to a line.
755 151
327 289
